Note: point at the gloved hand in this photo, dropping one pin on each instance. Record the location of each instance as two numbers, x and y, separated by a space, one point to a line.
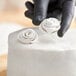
60 9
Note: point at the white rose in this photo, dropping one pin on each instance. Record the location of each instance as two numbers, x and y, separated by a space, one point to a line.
50 25
28 36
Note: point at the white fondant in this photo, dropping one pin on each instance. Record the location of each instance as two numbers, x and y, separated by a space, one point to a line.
28 36
43 58
50 25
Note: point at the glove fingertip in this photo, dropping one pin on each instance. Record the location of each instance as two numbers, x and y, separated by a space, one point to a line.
37 20
60 34
28 3
28 14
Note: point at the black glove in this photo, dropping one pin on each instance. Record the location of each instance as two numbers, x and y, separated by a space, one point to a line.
60 9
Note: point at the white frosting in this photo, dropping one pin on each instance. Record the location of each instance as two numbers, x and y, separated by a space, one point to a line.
50 25
27 36
42 58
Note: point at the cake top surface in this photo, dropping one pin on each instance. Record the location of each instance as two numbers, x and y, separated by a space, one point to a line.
45 42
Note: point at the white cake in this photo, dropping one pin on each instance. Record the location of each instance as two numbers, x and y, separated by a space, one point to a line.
43 56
